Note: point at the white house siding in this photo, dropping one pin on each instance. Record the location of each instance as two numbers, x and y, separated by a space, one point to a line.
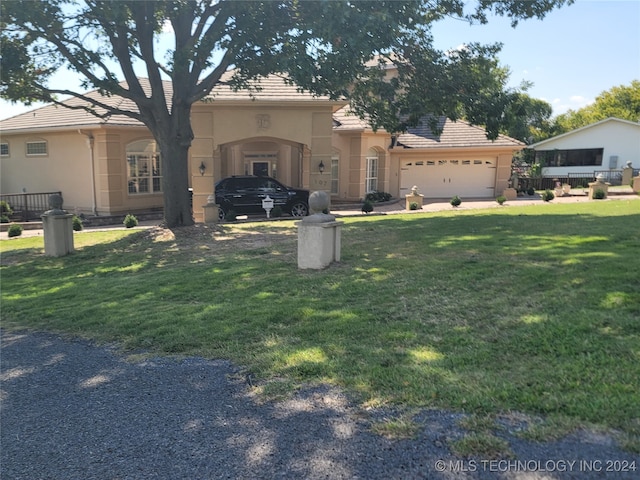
618 138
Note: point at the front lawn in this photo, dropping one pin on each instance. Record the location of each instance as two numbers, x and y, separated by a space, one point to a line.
514 309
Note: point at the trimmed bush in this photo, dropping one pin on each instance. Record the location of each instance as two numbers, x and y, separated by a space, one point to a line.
548 195
4 219
77 223
130 221
14 231
531 191
367 207
599 194
413 206
376 197
5 208
501 199
455 201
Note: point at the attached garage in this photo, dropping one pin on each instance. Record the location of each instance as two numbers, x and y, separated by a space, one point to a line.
461 161
446 178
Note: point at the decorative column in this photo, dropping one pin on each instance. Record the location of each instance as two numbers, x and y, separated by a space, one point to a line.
599 184
414 197
319 235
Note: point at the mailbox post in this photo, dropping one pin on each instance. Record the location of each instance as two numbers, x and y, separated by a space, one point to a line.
267 204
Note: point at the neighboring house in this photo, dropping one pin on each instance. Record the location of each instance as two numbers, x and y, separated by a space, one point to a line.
600 147
112 166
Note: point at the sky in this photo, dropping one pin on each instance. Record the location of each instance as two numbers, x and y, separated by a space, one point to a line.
571 56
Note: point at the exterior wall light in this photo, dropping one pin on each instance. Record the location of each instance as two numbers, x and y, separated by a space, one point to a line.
202 168
321 167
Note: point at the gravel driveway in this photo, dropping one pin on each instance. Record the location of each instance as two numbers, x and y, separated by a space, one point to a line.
73 410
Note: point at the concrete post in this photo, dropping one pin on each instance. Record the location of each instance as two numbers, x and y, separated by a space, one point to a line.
211 210
414 197
599 184
58 229
627 173
319 235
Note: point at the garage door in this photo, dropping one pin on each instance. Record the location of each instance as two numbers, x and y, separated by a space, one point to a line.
446 178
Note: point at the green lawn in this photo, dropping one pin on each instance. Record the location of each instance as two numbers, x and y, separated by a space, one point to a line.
514 309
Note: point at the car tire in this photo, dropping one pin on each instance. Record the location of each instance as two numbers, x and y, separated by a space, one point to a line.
221 214
299 209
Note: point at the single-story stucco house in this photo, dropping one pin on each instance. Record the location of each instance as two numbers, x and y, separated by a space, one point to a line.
112 166
607 145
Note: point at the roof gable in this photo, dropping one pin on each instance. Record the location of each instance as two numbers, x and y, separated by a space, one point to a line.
582 129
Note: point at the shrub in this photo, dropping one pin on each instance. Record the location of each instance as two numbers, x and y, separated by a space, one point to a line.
531 191
501 199
5 208
231 216
77 223
130 221
14 230
376 197
599 194
4 219
276 211
455 201
548 195
413 206
367 207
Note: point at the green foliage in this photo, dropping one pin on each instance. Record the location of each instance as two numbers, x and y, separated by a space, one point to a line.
413 206
322 47
548 195
622 101
77 223
130 221
531 191
599 194
15 230
376 197
5 208
455 201
367 206
501 199
4 219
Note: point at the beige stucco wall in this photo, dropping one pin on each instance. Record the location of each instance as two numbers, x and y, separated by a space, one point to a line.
299 135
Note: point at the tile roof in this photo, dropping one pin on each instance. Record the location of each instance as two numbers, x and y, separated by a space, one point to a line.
272 89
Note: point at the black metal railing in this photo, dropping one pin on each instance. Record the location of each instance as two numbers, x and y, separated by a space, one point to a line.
576 180
28 206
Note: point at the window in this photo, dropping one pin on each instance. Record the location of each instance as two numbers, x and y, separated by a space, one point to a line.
335 173
37 148
570 158
144 173
371 175
4 149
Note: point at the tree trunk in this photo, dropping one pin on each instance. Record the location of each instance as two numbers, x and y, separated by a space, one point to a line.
175 184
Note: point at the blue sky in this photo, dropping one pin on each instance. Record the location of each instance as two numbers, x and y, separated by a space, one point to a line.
571 56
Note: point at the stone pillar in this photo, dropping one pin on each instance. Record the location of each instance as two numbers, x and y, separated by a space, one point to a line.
627 173
319 235
58 229
211 213
599 184
414 197
636 184
510 193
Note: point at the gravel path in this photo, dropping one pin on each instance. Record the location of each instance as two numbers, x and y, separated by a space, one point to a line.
73 410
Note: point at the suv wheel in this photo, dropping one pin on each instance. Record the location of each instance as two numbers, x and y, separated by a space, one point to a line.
299 209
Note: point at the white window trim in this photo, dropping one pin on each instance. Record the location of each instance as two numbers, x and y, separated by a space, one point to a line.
8 154
46 147
370 181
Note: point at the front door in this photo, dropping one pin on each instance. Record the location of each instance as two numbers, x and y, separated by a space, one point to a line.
260 169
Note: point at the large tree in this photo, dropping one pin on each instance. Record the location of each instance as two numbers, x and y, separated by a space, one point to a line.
322 46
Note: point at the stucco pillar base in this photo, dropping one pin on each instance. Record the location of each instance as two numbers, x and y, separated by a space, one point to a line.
636 184
411 198
211 213
319 244
595 186
58 234
510 193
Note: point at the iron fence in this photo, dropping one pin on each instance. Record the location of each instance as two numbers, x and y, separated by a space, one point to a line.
28 206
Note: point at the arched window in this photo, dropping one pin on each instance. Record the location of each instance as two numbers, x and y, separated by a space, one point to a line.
143 167
371 174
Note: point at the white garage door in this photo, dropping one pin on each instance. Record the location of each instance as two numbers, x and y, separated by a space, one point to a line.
446 178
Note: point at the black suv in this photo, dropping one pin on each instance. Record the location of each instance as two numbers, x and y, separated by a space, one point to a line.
244 194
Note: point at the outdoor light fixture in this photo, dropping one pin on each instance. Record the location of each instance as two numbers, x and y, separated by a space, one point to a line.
202 168
321 167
